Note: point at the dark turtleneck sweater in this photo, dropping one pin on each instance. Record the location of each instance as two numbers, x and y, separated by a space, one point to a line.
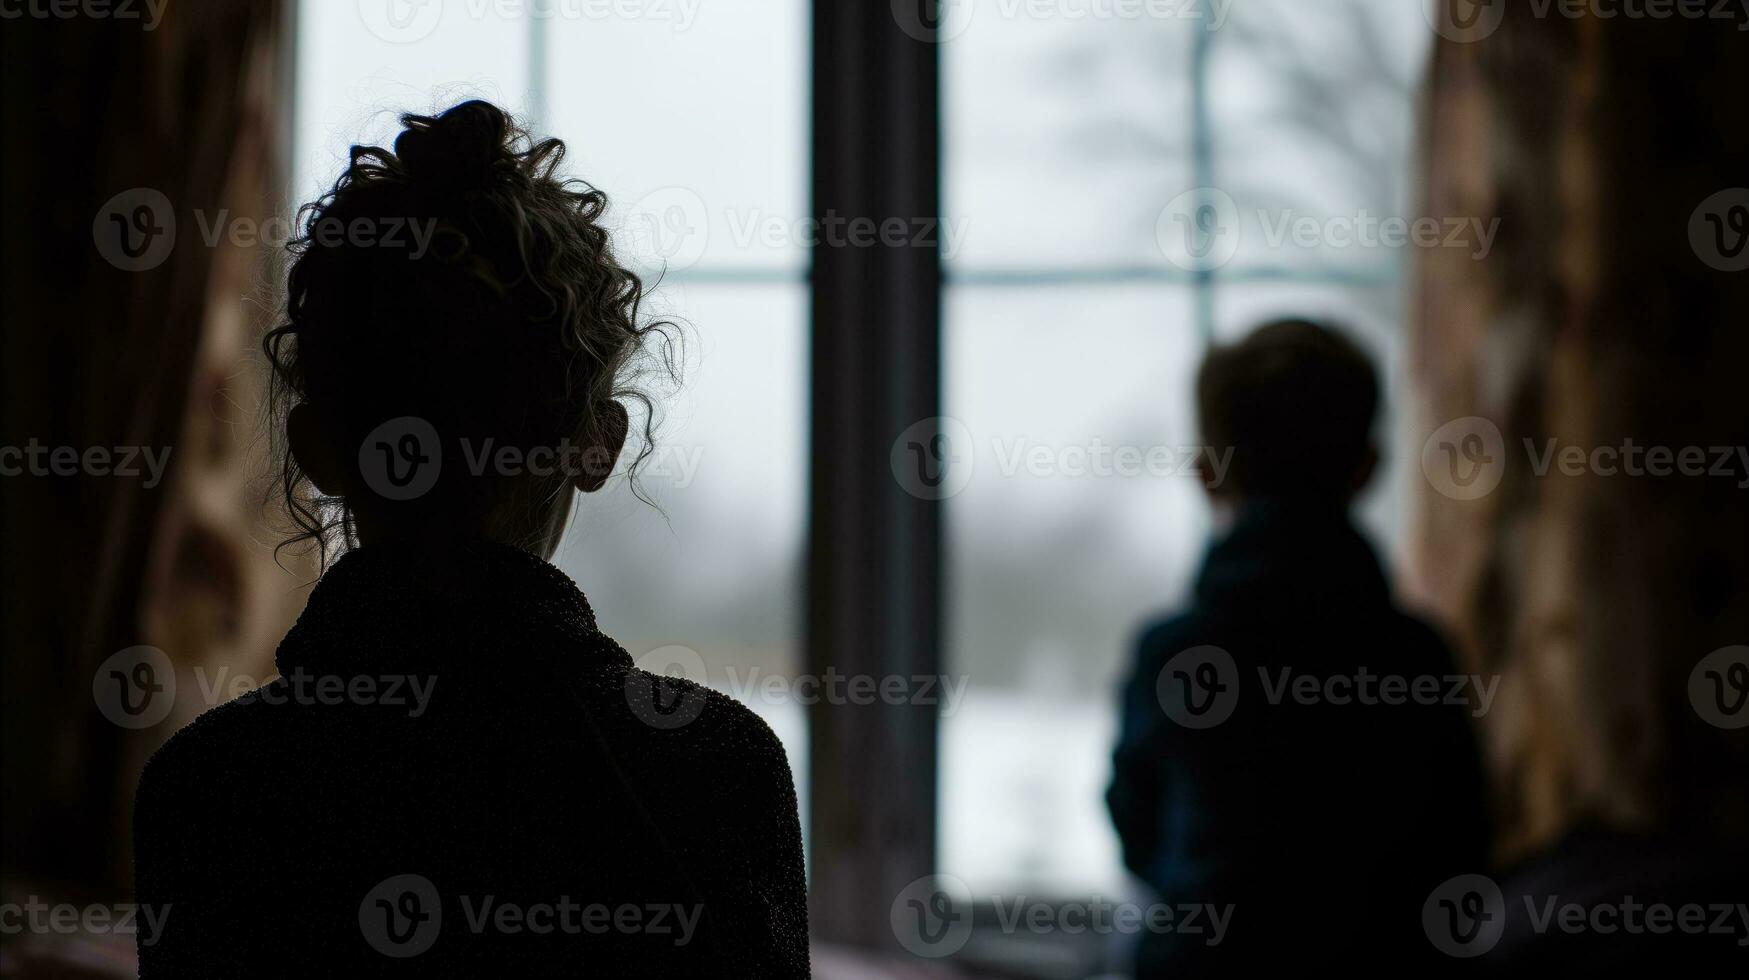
457 773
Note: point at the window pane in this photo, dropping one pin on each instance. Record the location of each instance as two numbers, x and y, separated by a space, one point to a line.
1063 137
1312 111
359 67
1058 547
703 119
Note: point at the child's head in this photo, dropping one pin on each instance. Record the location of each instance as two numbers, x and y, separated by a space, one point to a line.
1295 403
459 343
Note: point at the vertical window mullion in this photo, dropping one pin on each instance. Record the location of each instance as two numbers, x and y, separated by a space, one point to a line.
874 551
1202 168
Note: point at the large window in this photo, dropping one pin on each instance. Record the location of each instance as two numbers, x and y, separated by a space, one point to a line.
1119 190
1123 183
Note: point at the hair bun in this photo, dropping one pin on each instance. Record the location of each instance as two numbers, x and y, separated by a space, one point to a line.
455 150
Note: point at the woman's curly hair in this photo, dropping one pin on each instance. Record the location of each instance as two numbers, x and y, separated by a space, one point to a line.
457 280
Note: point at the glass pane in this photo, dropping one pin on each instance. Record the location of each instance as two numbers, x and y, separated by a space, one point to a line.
1312 109
1062 137
359 65
695 116
1081 517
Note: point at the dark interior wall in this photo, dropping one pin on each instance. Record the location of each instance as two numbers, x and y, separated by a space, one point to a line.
1595 320
98 356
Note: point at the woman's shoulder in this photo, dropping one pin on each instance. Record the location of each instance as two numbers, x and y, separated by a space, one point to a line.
218 738
199 784
681 732
682 712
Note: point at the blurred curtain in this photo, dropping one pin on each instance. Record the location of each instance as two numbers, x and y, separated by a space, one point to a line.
96 356
1594 320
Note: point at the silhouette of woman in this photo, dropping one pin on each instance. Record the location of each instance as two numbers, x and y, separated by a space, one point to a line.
456 773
